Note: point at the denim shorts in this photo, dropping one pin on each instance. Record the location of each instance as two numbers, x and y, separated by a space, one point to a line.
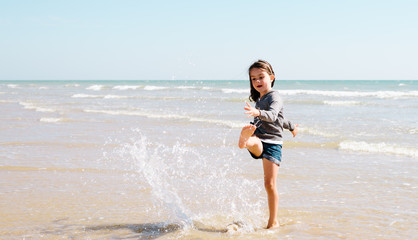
271 152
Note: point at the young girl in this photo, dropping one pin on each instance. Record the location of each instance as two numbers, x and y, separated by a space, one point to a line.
263 137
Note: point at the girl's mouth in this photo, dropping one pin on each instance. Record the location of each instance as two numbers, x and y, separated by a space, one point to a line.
259 86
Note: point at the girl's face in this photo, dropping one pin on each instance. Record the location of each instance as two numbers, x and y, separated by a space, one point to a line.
261 80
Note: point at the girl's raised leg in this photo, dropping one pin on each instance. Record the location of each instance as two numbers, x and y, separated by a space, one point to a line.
249 141
270 179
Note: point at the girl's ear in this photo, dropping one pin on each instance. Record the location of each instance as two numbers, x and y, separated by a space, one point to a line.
272 77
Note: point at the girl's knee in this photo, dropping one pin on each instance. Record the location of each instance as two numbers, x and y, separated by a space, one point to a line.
269 185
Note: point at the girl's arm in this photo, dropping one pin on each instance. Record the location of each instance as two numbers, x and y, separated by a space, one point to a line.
272 113
273 106
288 124
293 128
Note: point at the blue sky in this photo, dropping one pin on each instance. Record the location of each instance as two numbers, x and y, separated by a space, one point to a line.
208 40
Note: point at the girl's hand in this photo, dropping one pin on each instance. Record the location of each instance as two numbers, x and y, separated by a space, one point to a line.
252 112
295 131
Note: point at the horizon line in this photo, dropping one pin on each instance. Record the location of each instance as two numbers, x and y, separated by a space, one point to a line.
174 80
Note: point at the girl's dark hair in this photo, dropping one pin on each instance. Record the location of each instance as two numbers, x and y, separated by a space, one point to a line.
264 65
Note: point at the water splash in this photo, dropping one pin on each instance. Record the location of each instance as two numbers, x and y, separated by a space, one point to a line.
147 164
201 187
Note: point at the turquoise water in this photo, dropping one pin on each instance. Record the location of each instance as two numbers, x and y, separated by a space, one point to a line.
111 159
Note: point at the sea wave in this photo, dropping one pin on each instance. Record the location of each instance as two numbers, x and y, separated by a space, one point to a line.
154 88
373 94
109 96
211 89
341 103
52 120
377 94
231 124
358 146
126 87
12 86
32 106
115 97
81 95
235 90
413 131
95 87
378 148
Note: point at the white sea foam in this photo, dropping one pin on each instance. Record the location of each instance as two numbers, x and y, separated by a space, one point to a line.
81 95
413 131
377 94
153 88
32 106
115 97
12 85
232 90
341 103
126 87
95 87
379 148
51 120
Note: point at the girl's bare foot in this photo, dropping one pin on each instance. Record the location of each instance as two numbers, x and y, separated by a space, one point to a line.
275 224
246 133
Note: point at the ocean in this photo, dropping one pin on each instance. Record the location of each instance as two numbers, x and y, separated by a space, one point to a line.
159 160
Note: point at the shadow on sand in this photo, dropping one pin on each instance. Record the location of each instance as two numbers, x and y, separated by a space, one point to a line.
146 230
152 230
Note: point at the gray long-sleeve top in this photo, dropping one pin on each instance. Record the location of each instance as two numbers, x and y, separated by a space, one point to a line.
271 122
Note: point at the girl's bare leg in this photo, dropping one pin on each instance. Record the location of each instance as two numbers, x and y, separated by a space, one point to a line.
270 176
249 141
